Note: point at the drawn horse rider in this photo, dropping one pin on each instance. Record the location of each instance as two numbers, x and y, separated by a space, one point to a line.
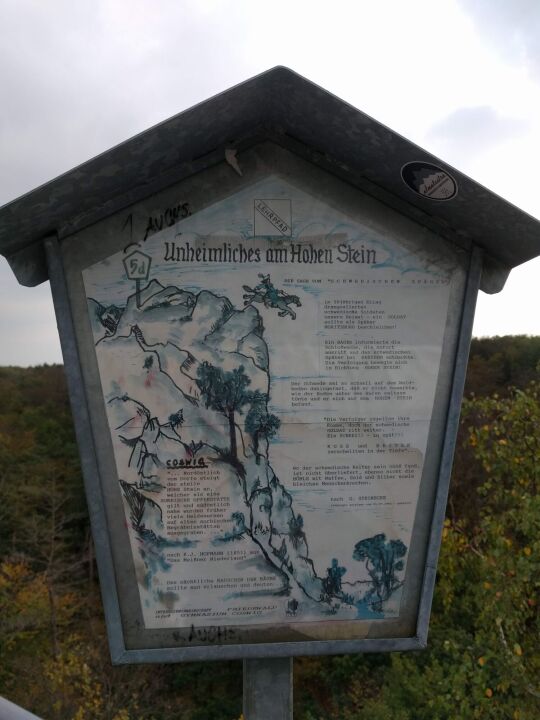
266 293
270 295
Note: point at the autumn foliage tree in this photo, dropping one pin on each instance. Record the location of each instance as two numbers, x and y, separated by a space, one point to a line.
483 657
54 657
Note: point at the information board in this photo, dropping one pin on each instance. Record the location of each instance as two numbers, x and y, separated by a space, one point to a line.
265 306
268 379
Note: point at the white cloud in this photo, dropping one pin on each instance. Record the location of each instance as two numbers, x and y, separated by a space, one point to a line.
475 130
512 29
458 78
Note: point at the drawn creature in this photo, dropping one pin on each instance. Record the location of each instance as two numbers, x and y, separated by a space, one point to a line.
292 606
269 296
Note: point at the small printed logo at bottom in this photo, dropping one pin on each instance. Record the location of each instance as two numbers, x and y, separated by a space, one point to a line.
273 217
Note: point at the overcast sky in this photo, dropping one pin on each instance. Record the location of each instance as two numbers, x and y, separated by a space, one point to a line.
461 79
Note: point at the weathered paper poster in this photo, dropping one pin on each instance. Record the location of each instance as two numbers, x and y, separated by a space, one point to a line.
268 368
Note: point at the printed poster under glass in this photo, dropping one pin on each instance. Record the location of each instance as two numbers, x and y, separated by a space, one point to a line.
268 368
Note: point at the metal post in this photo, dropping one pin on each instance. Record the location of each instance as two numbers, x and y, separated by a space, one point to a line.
268 689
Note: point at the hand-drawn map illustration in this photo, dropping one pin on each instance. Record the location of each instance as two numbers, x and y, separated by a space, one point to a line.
265 410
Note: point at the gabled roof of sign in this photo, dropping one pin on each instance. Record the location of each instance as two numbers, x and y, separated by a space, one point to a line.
285 107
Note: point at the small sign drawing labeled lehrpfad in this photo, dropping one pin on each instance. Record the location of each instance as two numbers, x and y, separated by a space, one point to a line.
273 217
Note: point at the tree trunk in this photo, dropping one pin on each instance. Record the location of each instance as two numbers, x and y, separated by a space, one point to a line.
232 435
256 448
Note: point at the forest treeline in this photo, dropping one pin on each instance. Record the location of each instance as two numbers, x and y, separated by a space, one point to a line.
483 659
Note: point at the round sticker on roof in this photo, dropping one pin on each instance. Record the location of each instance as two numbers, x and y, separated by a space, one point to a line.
429 181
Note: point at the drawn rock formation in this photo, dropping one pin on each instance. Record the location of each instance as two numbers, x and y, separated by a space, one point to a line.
158 413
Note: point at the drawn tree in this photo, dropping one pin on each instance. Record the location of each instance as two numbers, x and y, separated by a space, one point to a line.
281 553
259 422
176 419
239 524
383 560
332 581
137 504
296 530
226 392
